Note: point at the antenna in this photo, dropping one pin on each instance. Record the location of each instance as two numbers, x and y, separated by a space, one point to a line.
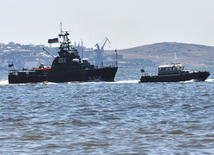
61 27
175 57
82 47
116 57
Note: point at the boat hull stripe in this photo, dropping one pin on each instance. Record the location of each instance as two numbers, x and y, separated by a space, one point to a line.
83 75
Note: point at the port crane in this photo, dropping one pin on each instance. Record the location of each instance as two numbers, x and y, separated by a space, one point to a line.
99 50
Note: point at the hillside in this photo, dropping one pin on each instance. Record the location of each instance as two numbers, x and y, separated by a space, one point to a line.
164 53
147 55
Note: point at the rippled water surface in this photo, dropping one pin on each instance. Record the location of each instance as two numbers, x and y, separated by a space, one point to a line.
121 117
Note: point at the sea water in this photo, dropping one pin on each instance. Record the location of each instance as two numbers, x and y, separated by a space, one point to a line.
121 117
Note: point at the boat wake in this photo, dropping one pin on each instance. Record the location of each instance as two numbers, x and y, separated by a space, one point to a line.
5 82
209 80
127 81
188 81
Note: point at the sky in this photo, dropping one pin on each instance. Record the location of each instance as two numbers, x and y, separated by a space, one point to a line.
126 23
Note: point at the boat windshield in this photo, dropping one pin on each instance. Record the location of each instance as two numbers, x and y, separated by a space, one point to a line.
171 67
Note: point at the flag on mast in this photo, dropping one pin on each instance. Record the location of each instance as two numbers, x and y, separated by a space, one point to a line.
10 64
54 40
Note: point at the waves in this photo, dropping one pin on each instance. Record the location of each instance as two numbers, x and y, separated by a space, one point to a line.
107 117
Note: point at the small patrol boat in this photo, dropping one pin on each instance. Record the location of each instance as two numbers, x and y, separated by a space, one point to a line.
33 75
175 72
66 67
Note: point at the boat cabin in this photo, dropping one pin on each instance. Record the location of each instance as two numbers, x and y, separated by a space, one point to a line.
171 69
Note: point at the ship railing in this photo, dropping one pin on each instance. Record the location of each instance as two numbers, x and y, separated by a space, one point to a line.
147 74
104 65
13 72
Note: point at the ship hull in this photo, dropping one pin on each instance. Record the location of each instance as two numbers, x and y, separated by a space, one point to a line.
198 76
26 79
98 74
